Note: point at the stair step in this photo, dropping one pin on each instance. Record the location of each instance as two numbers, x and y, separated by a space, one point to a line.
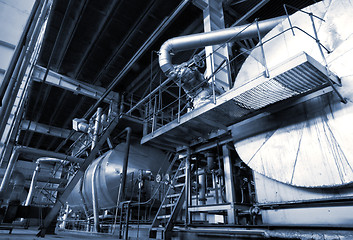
173 195
163 216
168 205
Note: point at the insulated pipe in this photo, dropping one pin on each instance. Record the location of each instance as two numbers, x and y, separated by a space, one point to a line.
35 173
38 152
97 126
32 186
211 38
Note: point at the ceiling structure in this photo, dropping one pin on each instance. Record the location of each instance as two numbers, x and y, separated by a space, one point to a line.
98 43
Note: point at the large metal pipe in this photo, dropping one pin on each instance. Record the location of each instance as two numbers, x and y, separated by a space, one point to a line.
95 198
211 38
38 152
22 65
97 125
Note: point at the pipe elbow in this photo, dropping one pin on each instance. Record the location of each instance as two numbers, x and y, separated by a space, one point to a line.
165 59
128 130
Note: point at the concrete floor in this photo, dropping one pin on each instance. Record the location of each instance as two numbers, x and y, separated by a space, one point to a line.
30 234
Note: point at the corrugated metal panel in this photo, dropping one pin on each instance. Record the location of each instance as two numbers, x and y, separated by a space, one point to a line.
295 81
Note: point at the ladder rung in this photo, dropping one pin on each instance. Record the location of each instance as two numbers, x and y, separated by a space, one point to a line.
168 205
179 185
163 216
173 195
181 175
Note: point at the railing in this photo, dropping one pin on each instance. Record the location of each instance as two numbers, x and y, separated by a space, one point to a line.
161 110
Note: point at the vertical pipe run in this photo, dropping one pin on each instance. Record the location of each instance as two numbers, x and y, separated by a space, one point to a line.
95 198
179 100
32 186
229 183
202 192
94 173
126 233
96 127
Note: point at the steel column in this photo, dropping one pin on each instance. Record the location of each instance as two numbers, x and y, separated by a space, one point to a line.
213 19
187 187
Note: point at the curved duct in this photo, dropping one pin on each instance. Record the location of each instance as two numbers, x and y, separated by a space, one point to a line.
211 38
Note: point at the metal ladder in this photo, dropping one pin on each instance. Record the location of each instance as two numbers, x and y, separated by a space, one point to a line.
171 204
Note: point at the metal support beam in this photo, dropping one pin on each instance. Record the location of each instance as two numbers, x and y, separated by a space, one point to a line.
72 85
160 29
244 18
187 187
215 55
27 125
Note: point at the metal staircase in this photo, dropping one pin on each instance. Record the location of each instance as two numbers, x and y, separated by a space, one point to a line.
171 204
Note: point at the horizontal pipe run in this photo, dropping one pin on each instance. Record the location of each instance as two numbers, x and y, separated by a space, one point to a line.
211 38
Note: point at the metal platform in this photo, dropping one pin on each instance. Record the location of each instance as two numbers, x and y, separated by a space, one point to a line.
296 77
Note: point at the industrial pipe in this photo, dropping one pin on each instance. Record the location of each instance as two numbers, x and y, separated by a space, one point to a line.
35 173
211 38
38 152
21 67
97 126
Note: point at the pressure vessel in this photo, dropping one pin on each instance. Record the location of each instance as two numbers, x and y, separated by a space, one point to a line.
109 167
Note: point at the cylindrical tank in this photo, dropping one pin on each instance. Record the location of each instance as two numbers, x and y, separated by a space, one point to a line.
308 145
109 169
